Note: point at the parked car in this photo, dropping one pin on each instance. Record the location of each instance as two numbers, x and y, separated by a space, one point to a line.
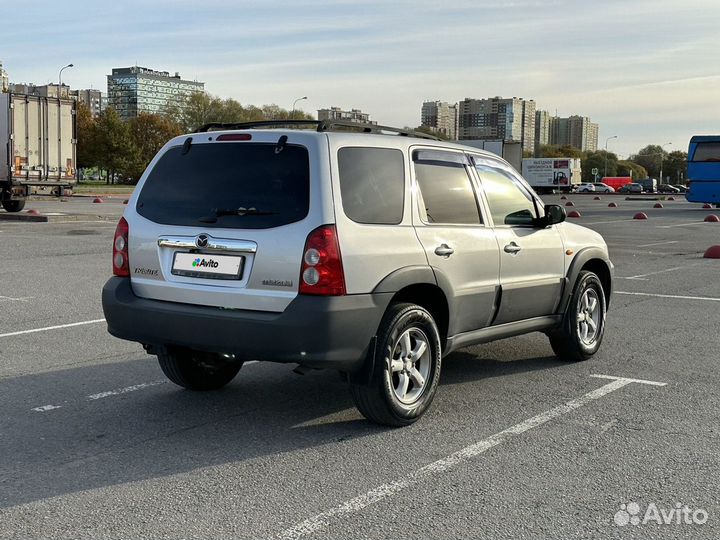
370 253
681 188
667 188
603 188
631 188
585 188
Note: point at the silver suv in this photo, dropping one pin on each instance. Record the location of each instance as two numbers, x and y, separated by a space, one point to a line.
365 249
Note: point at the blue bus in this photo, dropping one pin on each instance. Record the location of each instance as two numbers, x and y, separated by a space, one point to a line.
703 169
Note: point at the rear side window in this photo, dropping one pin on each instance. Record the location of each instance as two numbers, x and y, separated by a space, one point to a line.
229 185
445 188
707 151
372 184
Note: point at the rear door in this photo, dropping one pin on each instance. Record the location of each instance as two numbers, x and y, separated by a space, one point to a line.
459 245
532 260
222 220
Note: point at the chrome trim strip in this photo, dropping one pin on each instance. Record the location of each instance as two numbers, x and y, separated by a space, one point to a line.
214 244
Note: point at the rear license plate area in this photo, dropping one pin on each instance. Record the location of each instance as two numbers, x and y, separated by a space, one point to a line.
208 266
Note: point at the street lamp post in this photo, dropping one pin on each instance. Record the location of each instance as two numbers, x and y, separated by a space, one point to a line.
292 114
606 150
60 79
662 159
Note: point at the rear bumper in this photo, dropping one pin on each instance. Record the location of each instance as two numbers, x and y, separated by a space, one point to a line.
315 331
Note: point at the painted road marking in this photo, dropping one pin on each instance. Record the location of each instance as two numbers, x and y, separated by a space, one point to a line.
639 381
125 390
116 392
322 520
56 327
686 224
610 221
659 243
640 276
19 299
45 408
706 298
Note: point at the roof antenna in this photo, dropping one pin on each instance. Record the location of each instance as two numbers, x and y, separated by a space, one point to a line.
280 146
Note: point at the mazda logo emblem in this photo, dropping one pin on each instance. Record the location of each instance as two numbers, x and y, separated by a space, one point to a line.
201 241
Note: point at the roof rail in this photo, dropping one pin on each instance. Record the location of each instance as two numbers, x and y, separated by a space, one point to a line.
216 126
320 125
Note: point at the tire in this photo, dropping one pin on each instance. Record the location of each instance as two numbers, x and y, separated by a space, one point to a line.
576 340
395 397
197 370
14 206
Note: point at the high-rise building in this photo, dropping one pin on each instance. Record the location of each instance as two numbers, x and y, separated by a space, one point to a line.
4 79
137 89
507 119
576 131
441 117
542 128
353 115
92 99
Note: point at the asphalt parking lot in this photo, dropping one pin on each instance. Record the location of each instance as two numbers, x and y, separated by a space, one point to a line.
95 444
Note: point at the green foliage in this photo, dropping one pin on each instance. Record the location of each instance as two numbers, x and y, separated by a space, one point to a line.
87 134
149 133
650 157
430 131
628 168
675 167
605 162
555 151
116 151
194 110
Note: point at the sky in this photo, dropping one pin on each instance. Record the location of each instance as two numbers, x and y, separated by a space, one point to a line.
645 70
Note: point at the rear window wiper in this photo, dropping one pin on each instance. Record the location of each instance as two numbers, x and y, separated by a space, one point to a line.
219 212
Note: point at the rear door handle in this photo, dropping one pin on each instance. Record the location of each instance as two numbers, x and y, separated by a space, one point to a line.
512 248
443 250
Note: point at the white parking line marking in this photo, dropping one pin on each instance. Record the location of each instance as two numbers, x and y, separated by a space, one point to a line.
322 520
640 276
125 390
19 299
686 224
56 327
609 221
706 298
45 408
116 392
659 243
639 381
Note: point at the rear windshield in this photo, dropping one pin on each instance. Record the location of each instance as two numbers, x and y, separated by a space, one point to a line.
707 151
229 185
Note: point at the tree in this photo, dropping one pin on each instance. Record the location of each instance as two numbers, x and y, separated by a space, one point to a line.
675 167
149 132
628 168
194 110
605 162
650 158
87 134
430 131
555 151
116 150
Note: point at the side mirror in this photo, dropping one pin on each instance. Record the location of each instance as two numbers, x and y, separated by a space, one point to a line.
554 213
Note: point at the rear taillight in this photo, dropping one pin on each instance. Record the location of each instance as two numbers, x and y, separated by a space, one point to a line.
321 272
121 264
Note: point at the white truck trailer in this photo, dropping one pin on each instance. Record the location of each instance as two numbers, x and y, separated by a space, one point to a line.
546 175
37 146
